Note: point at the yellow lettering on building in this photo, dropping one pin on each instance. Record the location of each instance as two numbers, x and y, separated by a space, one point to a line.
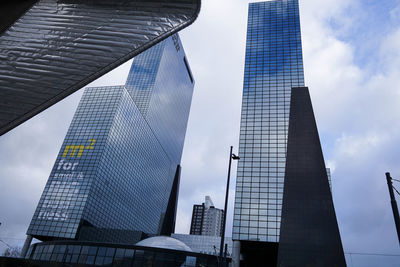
72 149
92 141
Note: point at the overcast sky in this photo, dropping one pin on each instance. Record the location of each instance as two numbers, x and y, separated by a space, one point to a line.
352 67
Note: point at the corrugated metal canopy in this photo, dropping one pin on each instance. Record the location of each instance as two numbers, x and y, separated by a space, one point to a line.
59 46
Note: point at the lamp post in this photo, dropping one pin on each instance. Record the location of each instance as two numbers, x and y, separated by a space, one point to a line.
394 204
234 157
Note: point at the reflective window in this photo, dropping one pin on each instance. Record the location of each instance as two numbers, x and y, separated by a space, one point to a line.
104 173
273 65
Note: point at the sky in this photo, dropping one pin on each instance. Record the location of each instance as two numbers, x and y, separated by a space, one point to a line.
352 65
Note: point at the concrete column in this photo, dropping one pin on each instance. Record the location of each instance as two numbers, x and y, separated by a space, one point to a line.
236 254
25 248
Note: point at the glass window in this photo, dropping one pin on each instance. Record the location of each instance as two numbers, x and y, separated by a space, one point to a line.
110 252
92 250
90 259
119 253
99 260
101 251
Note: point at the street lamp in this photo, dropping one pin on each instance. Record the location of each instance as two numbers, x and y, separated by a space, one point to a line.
234 157
395 210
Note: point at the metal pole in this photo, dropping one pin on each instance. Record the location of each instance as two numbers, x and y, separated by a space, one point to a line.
226 251
394 204
216 254
221 248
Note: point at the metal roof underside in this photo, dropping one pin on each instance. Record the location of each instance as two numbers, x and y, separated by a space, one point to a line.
59 46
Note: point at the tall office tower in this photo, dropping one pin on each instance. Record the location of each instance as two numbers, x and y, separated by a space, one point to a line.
117 173
273 73
206 219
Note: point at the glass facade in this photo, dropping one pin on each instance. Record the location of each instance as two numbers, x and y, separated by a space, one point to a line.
166 111
204 243
116 167
100 254
273 65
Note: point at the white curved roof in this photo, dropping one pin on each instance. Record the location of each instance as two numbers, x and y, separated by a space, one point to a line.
164 242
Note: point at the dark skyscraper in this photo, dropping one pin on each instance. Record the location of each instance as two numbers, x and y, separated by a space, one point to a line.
273 67
197 219
117 172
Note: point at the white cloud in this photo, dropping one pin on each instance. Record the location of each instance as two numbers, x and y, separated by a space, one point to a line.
356 103
356 147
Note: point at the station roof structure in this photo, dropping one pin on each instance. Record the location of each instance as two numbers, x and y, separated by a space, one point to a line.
51 48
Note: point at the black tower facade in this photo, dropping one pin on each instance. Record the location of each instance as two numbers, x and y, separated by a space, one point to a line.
309 231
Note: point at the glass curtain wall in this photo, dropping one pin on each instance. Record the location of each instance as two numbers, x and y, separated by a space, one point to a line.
273 65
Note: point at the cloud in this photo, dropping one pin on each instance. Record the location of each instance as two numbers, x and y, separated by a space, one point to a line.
215 46
353 83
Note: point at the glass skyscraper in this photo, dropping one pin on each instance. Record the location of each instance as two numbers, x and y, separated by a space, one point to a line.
283 212
117 170
273 66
